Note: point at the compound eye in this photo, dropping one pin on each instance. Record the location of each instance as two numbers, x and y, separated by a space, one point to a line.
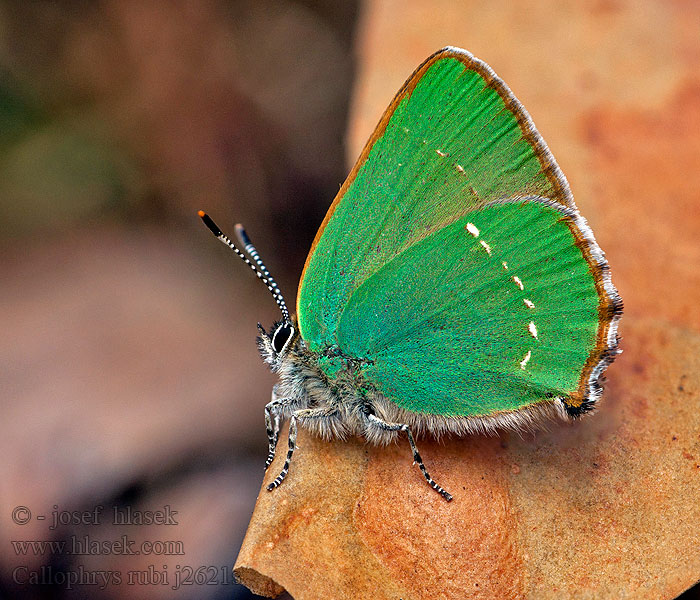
281 336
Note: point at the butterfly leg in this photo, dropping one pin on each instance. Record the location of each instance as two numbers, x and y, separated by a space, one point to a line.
299 415
377 422
272 424
291 440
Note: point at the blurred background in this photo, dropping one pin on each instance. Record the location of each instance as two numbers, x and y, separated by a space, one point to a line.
129 375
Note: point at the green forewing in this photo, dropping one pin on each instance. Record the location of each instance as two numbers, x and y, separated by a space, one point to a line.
450 145
453 141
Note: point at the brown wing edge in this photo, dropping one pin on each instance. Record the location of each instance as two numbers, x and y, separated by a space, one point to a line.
549 165
610 308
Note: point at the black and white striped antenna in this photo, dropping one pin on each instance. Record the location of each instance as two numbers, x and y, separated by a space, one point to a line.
261 270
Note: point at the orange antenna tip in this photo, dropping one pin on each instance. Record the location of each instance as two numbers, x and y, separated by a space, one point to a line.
201 213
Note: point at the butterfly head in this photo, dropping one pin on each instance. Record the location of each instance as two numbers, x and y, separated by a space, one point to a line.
275 344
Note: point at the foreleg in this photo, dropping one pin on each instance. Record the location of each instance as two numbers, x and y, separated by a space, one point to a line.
299 415
272 424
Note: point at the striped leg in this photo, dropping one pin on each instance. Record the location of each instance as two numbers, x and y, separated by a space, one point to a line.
272 424
377 422
299 415
292 440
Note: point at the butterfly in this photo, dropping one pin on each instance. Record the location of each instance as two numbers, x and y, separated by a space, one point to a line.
453 286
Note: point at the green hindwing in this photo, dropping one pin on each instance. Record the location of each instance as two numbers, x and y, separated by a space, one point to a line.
453 262
494 312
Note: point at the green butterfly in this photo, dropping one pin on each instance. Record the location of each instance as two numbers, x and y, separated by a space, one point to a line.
453 286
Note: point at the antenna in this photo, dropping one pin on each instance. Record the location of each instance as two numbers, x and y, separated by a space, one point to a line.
261 270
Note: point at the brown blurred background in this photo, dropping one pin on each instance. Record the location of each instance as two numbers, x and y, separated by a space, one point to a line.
129 370
129 375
